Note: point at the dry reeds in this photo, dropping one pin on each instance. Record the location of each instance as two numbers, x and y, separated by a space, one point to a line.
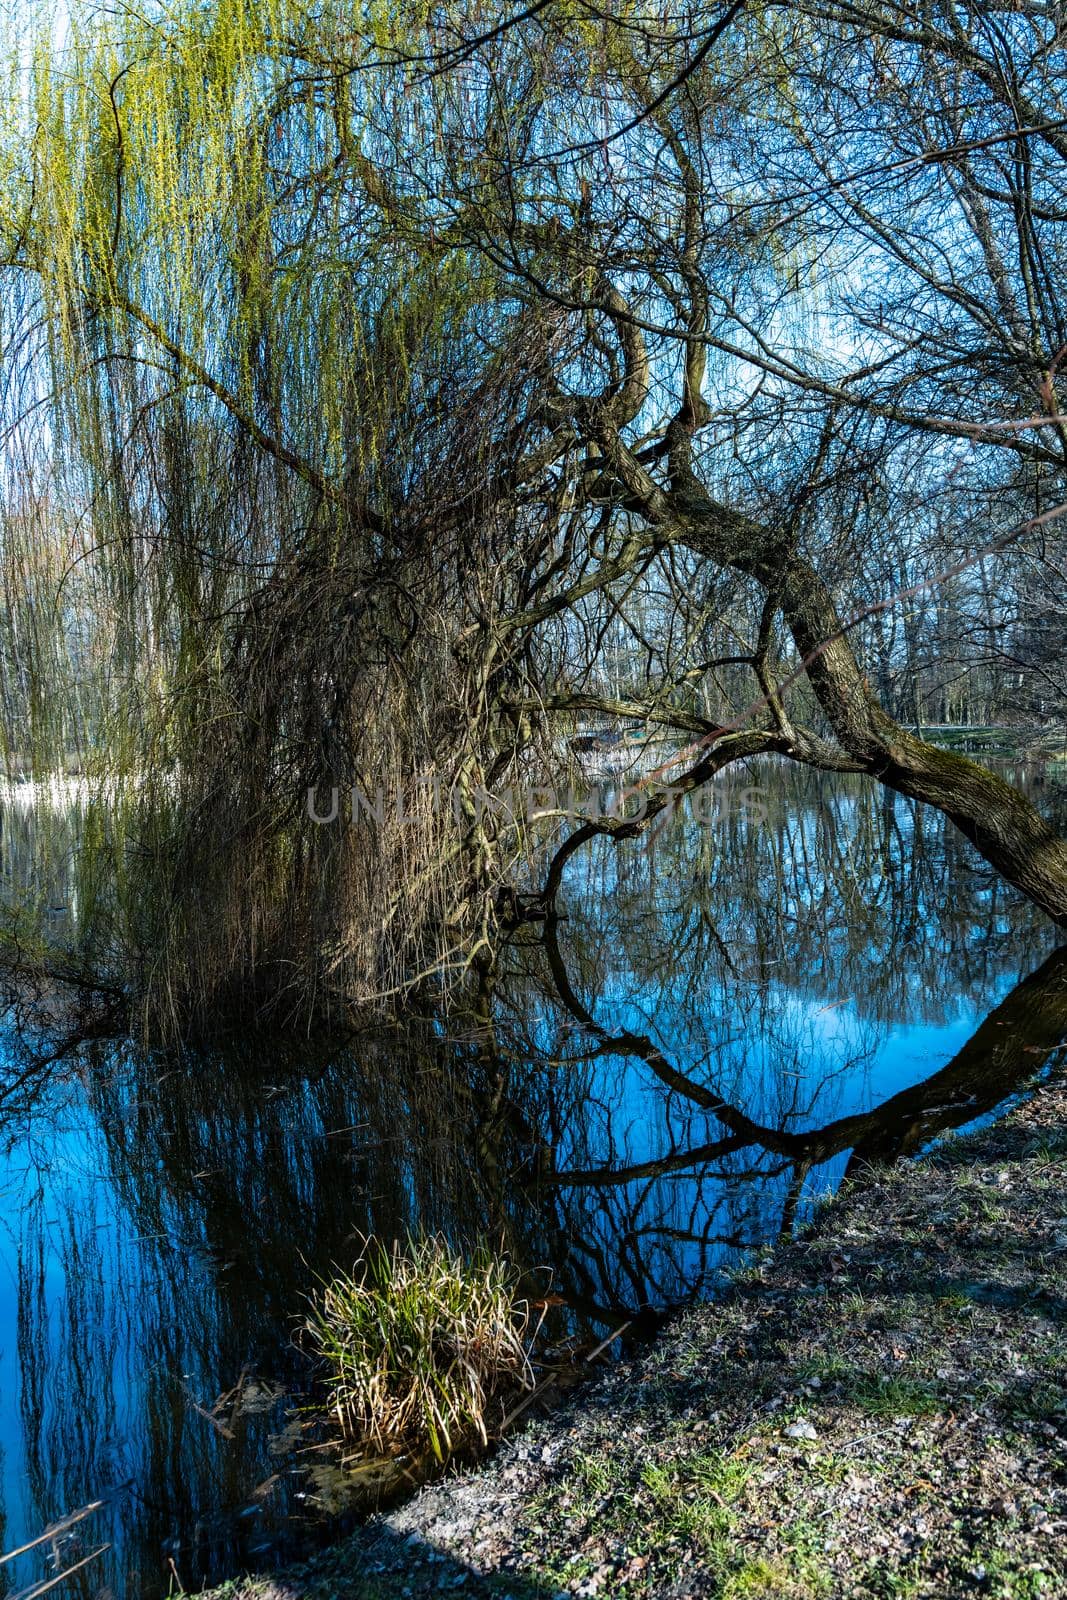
418 1344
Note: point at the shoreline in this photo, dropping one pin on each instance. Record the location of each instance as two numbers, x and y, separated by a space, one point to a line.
875 1409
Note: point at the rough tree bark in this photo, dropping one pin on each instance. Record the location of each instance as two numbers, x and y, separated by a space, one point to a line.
1009 832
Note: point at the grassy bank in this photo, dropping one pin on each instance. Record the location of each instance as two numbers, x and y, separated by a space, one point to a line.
877 1410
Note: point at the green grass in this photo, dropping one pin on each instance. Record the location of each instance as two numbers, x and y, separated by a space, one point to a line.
1005 1578
797 1574
417 1344
695 1499
882 1396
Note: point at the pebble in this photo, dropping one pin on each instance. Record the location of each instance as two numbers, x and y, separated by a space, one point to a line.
801 1429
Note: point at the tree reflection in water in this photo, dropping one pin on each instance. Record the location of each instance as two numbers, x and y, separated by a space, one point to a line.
715 1028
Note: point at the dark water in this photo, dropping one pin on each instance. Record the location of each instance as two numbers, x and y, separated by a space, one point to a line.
726 1017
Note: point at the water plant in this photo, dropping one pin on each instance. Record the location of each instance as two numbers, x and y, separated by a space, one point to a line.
421 1346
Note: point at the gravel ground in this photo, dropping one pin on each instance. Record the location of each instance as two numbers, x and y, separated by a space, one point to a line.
877 1409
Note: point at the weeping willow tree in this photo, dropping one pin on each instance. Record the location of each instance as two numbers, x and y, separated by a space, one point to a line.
373 371
285 417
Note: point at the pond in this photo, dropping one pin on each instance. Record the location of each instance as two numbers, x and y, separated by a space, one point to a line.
725 1016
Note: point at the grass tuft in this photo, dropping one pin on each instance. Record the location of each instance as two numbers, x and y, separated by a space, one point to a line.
420 1347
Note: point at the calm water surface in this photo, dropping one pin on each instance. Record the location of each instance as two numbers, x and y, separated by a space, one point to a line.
723 1019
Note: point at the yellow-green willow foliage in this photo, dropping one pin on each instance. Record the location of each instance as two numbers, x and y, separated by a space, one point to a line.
245 377
275 338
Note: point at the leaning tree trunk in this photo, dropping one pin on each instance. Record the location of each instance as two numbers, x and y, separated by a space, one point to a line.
999 821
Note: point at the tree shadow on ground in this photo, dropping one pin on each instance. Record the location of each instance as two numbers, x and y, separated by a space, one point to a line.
385 1565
